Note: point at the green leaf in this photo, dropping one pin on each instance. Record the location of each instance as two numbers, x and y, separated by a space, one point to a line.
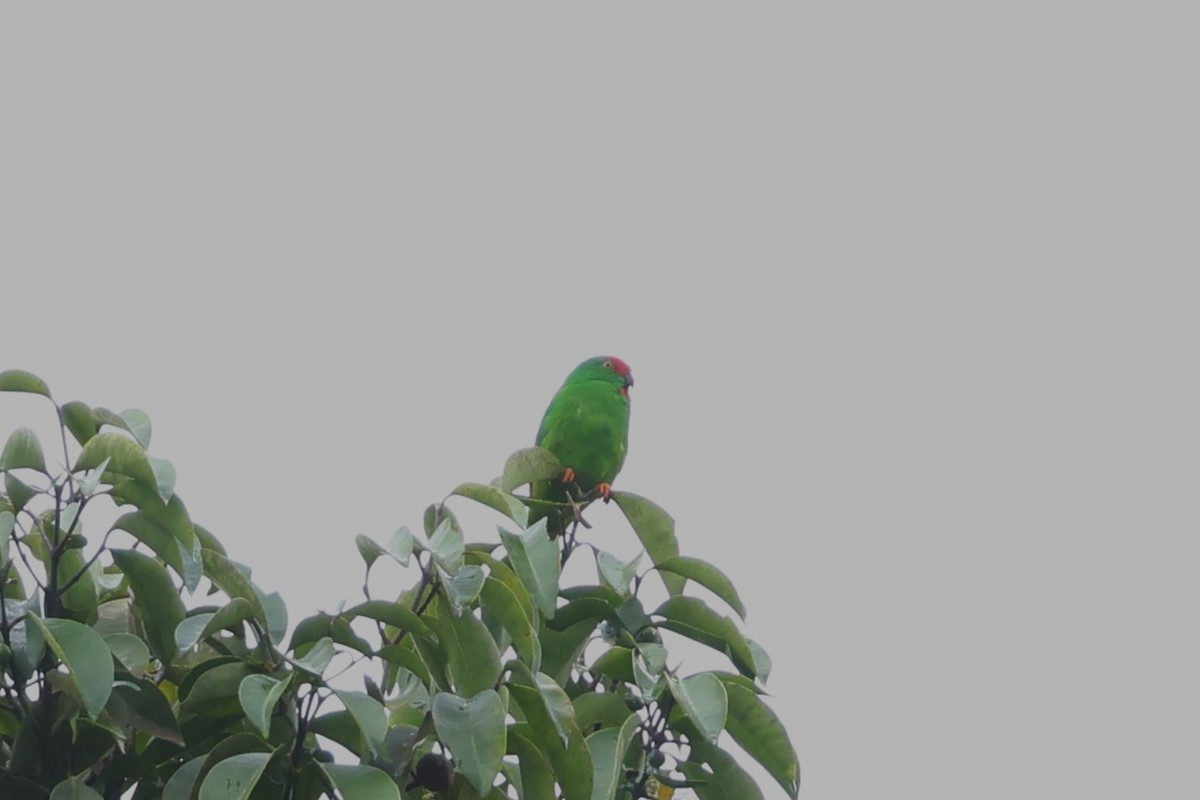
707 576
401 545
23 451
18 380
215 691
80 421
529 465
369 715
727 781
655 528
137 422
369 549
616 573
130 651
492 497
127 459
472 657
165 527
506 575
74 788
557 704
693 618
537 777
359 782
156 598
398 615
758 731
141 705
500 600
474 731
318 657
19 494
463 588
86 657
561 650
258 695
535 558
596 710
231 580
615 663
547 715
180 786
608 747
446 544
235 777
7 521
702 697
164 477
277 616
762 661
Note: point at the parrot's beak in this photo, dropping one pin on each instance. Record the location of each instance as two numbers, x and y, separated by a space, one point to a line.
628 381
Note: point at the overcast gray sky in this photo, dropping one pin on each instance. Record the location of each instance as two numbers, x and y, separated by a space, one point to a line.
908 291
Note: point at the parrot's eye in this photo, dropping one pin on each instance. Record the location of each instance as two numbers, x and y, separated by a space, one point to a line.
608 365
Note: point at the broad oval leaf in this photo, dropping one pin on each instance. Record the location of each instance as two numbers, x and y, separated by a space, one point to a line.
74 789
137 422
492 497
180 786
446 544
360 782
164 477
156 598
369 715
537 776
500 600
758 731
7 521
86 657
463 588
23 451
398 615
727 781
231 580
258 695
18 492
474 731
126 459
235 777
655 528
706 575
573 762
317 658
691 617
130 651
703 698
369 549
80 420
18 380
535 558
142 705
472 657
529 465
608 747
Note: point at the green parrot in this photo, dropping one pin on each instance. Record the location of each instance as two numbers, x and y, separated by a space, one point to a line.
587 426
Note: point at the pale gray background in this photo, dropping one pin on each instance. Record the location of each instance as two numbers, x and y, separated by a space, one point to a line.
905 287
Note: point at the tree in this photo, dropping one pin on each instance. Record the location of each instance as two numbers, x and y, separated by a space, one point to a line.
487 679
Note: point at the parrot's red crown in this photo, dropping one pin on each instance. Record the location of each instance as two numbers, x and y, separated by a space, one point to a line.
619 366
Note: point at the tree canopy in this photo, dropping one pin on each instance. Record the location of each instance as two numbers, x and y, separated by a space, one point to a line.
146 662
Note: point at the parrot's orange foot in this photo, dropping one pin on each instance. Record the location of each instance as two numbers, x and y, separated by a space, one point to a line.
568 475
605 491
